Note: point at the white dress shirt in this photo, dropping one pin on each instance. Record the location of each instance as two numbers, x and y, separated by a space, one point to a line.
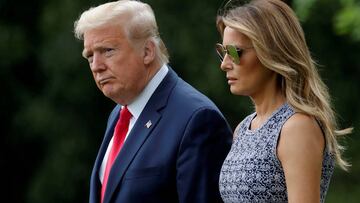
135 108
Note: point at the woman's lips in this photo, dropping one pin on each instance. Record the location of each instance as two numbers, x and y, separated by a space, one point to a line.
231 80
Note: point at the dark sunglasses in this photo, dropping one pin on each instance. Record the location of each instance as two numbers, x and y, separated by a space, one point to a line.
233 51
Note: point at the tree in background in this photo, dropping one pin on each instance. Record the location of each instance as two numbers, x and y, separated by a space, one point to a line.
333 34
53 116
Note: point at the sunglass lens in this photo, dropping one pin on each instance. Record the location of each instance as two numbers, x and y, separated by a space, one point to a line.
233 52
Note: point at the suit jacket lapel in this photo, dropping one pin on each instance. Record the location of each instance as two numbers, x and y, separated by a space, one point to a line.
95 185
140 132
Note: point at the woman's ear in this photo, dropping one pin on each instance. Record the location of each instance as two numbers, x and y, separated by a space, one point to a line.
149 52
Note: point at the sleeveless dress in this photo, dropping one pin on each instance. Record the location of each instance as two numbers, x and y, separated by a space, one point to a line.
252 171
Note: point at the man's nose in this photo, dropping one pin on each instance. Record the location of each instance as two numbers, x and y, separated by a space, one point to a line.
97 63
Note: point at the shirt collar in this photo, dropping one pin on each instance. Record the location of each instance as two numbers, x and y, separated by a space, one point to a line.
137 106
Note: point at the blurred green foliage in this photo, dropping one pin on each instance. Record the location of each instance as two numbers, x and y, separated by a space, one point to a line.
347 20
53 116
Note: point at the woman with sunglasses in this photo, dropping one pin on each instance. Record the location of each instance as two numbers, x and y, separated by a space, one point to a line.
286 150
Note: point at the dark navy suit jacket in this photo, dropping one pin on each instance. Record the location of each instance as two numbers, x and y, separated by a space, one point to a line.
177 159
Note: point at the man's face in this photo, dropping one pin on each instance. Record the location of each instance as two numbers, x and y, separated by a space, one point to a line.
118 68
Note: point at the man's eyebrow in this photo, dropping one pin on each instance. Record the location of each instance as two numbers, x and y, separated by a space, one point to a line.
98 47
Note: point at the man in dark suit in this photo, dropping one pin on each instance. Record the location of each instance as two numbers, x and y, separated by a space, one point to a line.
169 141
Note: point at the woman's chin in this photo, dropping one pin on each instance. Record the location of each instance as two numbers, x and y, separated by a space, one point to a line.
235 91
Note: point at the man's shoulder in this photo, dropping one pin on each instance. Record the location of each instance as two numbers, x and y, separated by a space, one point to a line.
187 96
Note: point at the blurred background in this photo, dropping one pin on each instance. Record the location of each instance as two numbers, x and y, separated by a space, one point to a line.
53 116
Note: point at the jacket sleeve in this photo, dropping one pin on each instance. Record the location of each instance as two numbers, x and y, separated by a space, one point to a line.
204 147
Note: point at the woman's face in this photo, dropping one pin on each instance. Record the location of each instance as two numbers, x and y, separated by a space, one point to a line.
248 77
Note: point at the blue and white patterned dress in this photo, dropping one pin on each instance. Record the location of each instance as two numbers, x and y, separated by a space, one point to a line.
252 171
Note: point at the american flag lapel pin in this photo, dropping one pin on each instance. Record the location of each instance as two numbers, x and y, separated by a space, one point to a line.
148 124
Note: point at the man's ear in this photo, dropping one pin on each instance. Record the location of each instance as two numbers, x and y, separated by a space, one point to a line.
149 52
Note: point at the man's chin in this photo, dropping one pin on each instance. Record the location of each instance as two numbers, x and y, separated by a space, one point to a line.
107 92
115 97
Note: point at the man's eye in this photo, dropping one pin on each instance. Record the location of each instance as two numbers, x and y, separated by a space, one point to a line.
109 51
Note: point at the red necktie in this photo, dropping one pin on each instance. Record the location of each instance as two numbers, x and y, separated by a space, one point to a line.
120 131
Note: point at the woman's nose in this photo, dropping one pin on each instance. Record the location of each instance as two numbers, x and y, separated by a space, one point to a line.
227 63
